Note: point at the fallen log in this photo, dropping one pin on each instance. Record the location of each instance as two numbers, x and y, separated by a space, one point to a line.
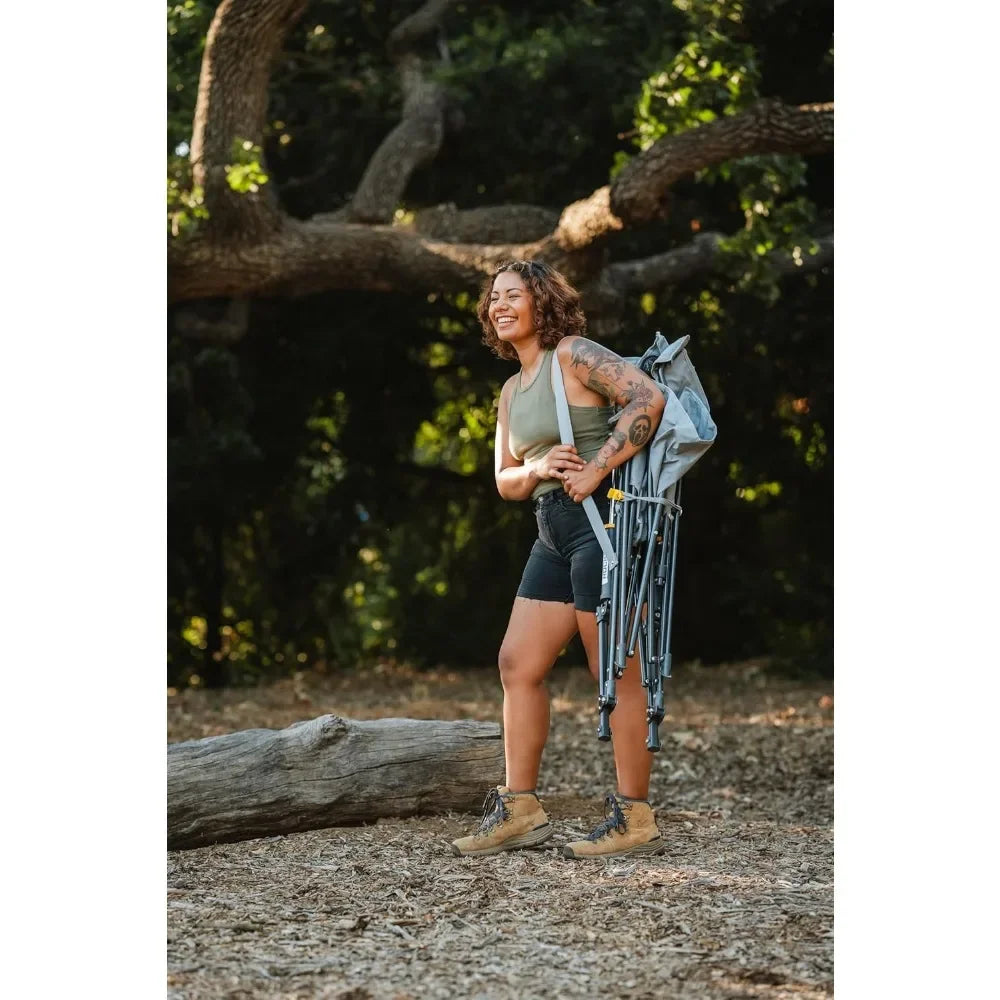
325 772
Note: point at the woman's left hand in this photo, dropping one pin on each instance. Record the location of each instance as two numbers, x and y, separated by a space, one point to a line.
579 485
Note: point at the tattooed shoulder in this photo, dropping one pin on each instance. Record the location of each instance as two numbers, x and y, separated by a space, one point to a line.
604 368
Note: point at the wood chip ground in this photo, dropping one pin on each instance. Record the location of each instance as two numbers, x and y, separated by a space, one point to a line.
739 906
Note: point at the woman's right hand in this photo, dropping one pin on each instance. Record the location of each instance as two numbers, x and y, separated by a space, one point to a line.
556 461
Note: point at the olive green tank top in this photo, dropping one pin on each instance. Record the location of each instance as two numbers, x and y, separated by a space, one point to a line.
533 427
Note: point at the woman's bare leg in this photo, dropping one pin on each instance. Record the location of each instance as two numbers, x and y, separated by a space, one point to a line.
536 633
633 761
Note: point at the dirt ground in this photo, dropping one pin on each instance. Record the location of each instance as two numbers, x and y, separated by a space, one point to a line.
740 905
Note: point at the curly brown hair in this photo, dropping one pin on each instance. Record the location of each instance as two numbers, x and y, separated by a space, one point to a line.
557 306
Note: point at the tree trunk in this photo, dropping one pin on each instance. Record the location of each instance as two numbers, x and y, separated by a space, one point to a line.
325 772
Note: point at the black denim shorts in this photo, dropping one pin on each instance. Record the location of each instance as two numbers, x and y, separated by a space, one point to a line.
565 562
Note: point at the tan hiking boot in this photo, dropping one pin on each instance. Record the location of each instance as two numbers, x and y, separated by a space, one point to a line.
510 820
628 828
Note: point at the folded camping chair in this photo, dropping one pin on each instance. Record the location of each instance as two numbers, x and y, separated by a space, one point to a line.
640 540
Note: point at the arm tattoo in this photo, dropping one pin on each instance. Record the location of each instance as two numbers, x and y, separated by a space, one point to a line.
639 429
639 396
612 446
604 368
606 374
618 381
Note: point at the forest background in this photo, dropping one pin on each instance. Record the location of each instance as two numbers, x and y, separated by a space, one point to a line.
330 404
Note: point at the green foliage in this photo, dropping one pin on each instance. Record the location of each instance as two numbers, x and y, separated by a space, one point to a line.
187 26
717 72
712 74
185 200
245 174
759 543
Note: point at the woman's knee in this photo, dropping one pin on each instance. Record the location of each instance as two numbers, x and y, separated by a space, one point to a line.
518 670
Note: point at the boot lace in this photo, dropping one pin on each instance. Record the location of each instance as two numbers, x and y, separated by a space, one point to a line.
494 811
614 819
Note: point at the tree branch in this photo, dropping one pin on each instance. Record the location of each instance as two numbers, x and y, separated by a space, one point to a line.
417 138
302 258
307 257
584 221
703 255
414 29
248 247
648 274
489 224
638 192
244 38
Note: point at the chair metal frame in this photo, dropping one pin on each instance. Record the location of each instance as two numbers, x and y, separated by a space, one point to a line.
635 610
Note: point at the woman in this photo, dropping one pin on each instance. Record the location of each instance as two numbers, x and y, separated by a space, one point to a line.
531 314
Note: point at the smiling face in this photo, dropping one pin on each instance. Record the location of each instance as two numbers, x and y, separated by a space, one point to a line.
527 302
511 308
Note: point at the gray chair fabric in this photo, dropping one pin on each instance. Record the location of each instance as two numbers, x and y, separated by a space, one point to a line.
686 430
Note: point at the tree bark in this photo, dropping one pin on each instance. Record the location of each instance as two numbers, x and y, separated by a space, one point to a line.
244 38
325 772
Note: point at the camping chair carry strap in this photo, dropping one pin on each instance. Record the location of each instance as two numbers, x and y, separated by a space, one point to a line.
566 433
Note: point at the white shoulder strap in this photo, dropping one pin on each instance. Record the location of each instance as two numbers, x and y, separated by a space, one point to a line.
566 433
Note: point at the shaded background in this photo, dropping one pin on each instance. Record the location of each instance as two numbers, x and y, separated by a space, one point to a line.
331 496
